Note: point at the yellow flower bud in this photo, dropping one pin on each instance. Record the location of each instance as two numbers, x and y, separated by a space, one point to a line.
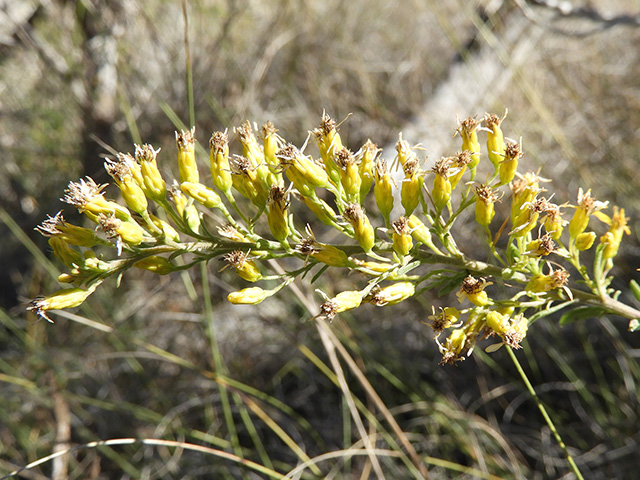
617 227
219 161
585 240
168 231
271 142
447 317
495 139
327 254
421 233
467 129
185 208
587 205
411 190
553 222
152 182
441 192
301 170
524 190
349 174
541 247
67 298
320 209
122 172
402 240
458 166
250 147
87 196
473 290
245 268
512 331
383 190
245 180
509 164
277 213
362 229
56 226
201 194
498 322
528 217
329 142
546 283
128 232
186 142
391 294
155 264
486 197
405 153
374 268
454 345
61 249
368 155
247 296
340 303
252 151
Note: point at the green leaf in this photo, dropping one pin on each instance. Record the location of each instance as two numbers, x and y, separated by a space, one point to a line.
451 283
635 289
581 313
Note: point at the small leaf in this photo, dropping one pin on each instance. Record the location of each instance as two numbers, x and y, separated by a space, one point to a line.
581 314
635 289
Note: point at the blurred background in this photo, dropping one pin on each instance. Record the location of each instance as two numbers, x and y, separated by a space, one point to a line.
79 79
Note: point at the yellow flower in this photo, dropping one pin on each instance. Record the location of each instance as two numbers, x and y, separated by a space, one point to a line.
327 254
617 227
329 142
121 170
67 298
383 189
56 226
441 192
587 205
277 213
186 142
401 236
509 164
87 196
272 143
511 330
245 268
495 138
367 156
585 240
342 302
545 283
473 290
362 229
541 247
152 182
467 129
155 264
486 197
391 294
219 161
201 194
247 296
349 173
411 190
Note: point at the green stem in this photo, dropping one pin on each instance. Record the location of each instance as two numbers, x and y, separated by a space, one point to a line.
544 413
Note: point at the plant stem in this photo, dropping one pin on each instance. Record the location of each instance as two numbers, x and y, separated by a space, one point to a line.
544 413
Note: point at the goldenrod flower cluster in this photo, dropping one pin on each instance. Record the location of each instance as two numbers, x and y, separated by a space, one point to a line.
248 208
